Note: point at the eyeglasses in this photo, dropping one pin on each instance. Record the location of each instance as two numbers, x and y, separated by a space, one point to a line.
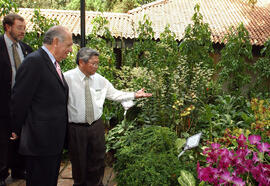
20 28
94 64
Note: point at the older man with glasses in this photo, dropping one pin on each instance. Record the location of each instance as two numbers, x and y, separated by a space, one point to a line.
86 141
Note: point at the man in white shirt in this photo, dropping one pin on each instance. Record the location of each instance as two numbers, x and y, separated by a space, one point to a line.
87 93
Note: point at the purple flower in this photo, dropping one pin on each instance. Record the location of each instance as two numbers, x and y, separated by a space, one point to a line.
238 181
255 158
215 146
242 153
264 147
227 167
254 139
206 174
224 162
226 177
241 140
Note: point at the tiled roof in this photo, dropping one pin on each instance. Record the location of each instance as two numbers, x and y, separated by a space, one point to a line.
219 14
118 22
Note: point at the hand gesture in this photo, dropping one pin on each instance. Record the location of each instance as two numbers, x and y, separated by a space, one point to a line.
142 94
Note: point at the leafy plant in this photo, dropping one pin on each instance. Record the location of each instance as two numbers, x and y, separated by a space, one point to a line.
262 69
7 6
151 152
94 5
225 112
40 25
115 139
174 79
186 178
197 44
261 125
233 65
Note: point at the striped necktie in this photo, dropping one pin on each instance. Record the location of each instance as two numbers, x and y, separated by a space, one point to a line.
89 111
16 56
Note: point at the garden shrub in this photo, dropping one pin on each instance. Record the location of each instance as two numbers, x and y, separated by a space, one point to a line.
115 139
148 158
261 125
40 25
7 6
225 112
197 44
235 69
262 71
175 79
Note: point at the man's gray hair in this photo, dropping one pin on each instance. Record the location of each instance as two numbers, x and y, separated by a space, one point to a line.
85 54
55 31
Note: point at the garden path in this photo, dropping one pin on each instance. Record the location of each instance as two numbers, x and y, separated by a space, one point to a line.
65 178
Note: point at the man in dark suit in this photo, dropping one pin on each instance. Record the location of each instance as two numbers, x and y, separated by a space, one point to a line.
14 26
39 108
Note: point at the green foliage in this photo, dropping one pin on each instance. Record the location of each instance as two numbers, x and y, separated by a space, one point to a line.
7 6
124 5
225 112
90 5
115 139
52 4
233 66
40 25
197 44
262 70
94 5
169 76
261 118
186 178
152 153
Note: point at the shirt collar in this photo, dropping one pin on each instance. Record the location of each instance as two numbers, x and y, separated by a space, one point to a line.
9 42
49 54
82 75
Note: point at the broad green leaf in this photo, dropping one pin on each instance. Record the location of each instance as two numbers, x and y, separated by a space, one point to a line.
186 178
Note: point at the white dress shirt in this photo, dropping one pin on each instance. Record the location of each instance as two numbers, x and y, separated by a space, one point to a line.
9 43
100 89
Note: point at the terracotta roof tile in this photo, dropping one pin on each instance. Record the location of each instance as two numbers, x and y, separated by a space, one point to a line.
219 14
118 22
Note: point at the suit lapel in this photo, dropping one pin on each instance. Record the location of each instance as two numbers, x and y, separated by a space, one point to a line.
4 51
25 52
51 66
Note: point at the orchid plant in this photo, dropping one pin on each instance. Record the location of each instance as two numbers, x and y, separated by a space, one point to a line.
247 164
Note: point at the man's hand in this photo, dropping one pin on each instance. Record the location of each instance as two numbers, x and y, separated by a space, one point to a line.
14 136
142 94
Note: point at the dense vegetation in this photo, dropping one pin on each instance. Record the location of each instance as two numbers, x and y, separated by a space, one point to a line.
191 94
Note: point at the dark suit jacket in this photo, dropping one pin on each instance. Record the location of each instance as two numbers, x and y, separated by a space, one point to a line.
6 76
39 106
